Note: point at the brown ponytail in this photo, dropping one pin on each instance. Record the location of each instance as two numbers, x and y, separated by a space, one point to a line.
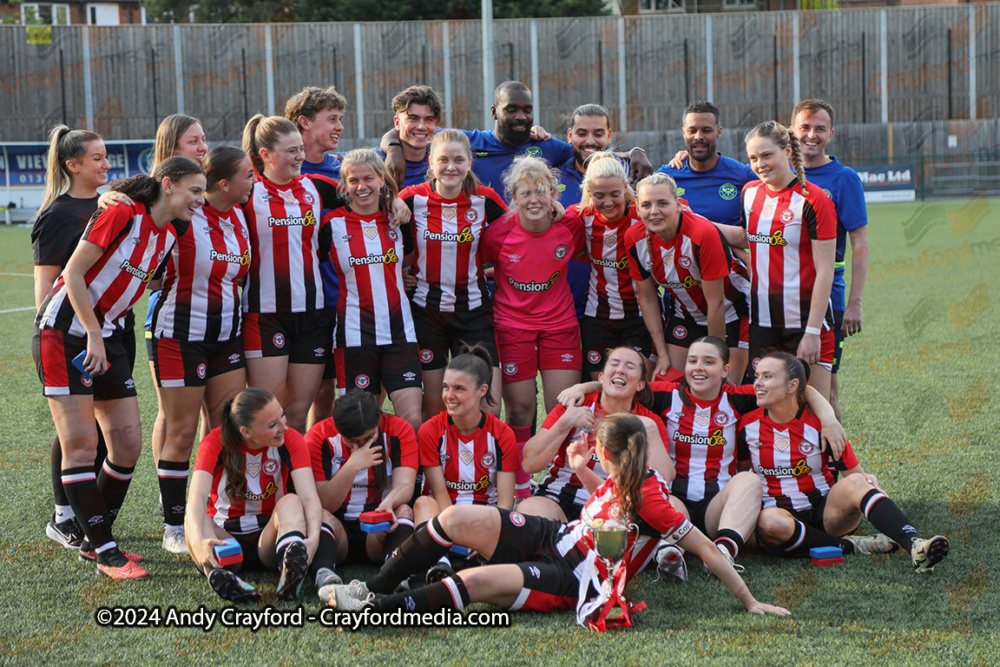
64 145
784 138
795 369
241 410
264 132
623 437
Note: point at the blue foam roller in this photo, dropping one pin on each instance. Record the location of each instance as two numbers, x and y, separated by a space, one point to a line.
460 550
821 553
380 527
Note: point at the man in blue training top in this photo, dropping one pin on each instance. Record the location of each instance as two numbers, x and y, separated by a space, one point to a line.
319 115
812 123
709 181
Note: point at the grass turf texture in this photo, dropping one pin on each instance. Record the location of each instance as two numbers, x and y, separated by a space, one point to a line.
917 396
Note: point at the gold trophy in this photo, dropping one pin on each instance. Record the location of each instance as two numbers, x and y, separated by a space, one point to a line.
611 538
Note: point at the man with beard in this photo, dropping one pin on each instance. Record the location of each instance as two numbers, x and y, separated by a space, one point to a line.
590 132
812 123
710 182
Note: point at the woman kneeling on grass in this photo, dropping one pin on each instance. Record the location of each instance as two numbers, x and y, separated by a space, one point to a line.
803 506
241 489
537 564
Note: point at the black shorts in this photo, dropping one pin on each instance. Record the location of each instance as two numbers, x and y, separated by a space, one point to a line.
600 335
181 363
372 367
684 330
305 338
565 502
814 515
838 338
439 333
764 339
697 509
251 551
128 338
524 537
54 352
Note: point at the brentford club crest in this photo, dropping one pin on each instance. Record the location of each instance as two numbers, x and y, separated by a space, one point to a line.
270 467
560 251
517 519
721 418
786 216
680 333
279 340
471 216
362 381
202 371
487 460
510 368
426 356
685 262
594 357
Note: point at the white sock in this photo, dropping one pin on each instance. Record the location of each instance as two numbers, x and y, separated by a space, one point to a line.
64 513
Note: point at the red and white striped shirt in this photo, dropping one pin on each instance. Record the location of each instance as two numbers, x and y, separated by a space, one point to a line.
470 463
789 458
200 300
267 472
561 481
329 452
446 240
611 291
702 438
696 253
780 228
134 249
285 225
367 252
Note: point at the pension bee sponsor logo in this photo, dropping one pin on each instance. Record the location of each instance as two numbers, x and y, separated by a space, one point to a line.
135 271
776 238
269 491
480 484
307 220
464 236
390 257
798 470
687 283
533 286
232 258
618 264
714 439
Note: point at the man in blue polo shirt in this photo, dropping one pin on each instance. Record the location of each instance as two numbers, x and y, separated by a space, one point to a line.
709 181
812 123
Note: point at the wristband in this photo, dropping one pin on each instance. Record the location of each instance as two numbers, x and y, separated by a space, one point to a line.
815 331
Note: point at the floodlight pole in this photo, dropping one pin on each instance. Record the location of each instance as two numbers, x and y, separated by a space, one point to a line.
488 85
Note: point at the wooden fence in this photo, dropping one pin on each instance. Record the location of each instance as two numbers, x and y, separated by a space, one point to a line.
905 66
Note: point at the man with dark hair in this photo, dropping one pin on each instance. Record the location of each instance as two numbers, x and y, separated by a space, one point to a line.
590 132
708 180
418 111
812 123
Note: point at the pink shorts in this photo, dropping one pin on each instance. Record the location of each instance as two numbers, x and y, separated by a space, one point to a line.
524 353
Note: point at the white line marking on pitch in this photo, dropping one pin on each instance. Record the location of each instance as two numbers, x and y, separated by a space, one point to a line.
16 310
17 275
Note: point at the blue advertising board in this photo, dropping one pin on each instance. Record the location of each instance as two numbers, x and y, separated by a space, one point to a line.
888 182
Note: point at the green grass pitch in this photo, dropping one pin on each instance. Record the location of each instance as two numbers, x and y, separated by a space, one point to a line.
918 389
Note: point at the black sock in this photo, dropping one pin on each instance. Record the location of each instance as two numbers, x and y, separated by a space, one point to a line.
395 539
731 540
173 478
55 470
81 489
326 552
102 451
449 593
284 541
888 518
806 537
113 481
416 554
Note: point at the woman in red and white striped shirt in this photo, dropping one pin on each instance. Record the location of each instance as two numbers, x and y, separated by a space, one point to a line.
611 317
790 227
253 483
451 304
197 347
804 504
84 313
